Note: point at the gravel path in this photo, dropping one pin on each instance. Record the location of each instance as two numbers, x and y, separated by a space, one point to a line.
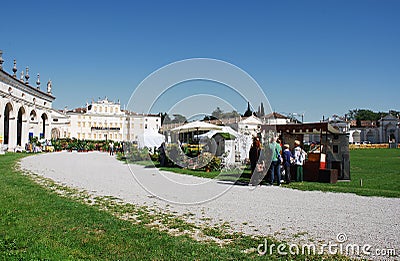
286 214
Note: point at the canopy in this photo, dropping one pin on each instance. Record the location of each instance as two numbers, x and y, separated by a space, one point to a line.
226 131
196 126
151 139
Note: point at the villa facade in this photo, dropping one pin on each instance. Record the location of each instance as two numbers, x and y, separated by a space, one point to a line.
25 111
104 120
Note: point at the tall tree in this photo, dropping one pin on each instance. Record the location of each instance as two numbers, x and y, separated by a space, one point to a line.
165 119
178 118
262 110
217 113
248 112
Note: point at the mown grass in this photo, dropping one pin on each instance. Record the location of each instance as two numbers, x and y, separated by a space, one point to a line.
379 170
38 224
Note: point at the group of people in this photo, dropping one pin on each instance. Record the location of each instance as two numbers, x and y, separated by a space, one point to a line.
114 148
280 159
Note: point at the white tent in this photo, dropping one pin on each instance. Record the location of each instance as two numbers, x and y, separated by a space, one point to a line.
196 126
224 129
150 139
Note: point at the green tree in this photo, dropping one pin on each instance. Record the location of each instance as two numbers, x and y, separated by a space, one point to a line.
178 118
217 113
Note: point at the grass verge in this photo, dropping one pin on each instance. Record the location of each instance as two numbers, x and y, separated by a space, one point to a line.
374 172
36 223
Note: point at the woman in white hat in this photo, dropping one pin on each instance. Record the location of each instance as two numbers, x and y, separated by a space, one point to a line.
299 157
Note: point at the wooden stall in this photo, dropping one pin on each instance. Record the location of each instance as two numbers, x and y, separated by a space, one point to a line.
329 159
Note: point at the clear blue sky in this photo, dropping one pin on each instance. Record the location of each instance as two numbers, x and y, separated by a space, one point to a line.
317 57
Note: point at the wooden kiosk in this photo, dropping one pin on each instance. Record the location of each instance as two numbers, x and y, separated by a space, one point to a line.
330 160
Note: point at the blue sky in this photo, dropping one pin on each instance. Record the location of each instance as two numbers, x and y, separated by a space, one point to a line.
316 57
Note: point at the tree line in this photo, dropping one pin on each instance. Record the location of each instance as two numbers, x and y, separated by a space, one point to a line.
216 114
368 115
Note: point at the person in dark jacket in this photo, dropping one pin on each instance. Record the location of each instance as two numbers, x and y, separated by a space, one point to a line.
254 153
287 159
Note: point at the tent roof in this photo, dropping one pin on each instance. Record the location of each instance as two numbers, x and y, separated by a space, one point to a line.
196 126
226 132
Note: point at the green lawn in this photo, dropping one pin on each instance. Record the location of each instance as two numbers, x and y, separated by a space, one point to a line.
36 223
379 170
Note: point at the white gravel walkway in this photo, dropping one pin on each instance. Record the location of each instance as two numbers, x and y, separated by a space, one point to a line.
292 215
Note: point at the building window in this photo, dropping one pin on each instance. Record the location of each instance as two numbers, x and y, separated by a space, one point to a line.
79 135
79 123
83 124
145 126
105 109
100 109
95 136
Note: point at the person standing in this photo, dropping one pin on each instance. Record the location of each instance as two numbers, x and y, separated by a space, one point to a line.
275 169
111 145
287 159
254 153
299 157
162 155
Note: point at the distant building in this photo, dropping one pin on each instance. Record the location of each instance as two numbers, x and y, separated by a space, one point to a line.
276 119
104 120
339 123
250 126
387 131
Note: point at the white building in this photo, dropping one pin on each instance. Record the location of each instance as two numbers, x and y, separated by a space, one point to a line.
104 120
250 126
25 111
101 120
386 131
275 118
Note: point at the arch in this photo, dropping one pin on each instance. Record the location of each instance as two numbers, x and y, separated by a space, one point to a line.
356 137
8 111
371 136
55 133
392 135
32 116
44 119
20 119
